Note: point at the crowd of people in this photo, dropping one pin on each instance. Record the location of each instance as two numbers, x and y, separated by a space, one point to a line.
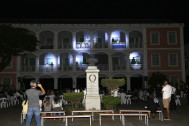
36 99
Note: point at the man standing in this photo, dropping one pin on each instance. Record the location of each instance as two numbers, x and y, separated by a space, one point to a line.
33 102
167 89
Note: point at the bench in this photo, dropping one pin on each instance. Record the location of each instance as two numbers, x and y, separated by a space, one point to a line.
111 114
123 115
65 117
93 111
144 111
24 114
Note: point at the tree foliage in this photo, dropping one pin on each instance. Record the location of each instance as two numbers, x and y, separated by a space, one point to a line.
74 98
112 84
13 42
110 102
156 78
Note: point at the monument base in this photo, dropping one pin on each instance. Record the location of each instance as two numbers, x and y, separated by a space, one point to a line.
93 103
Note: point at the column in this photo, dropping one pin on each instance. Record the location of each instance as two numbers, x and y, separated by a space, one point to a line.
110 62
37 66
74 82
128 83
91 40
55 42
18 72
109 40
55 83
145 63
38 37
56 63
74 63
128 62
74 40
182 54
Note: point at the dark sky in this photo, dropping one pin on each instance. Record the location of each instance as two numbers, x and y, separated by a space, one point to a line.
94 9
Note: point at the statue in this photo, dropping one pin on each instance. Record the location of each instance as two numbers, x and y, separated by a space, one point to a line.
91 60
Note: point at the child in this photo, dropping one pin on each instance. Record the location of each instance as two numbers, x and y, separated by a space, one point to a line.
24 108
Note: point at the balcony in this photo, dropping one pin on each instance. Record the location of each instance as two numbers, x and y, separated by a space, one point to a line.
25 68
103 67
118 44
82 67
65 68
82 45
65 46
136 66
119 67
46 68
46 47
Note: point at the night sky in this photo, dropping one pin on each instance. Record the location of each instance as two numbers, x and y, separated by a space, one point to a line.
176 11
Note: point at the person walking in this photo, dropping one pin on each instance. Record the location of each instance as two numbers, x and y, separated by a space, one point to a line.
33 102
167 90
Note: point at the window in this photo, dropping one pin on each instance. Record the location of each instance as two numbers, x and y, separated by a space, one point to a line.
6 83
66 61
49 41
115 60
174 79
49 61
173 61
154 38
172 39
10 64
155 59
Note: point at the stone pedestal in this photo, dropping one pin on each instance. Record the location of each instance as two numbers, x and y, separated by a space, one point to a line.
92 96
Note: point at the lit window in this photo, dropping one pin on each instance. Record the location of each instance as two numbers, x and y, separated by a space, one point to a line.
154 37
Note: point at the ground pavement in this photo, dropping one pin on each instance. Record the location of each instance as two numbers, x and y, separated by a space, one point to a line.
180 117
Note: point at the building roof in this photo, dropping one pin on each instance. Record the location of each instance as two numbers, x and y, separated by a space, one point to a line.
85 21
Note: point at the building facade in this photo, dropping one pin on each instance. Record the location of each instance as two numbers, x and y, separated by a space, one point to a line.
130 51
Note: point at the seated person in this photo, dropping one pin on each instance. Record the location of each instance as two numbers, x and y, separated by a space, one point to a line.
152 105
57 104
47 106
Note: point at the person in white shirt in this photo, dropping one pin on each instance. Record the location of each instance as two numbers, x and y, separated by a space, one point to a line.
167 90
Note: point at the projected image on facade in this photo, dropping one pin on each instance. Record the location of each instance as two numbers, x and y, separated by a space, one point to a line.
136 60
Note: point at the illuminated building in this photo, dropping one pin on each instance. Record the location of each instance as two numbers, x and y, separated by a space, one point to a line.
65 47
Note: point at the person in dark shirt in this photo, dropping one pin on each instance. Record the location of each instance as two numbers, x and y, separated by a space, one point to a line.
33 102
158 93
151 105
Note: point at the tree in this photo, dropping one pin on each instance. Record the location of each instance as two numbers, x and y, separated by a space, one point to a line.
13 42
112 84
156 78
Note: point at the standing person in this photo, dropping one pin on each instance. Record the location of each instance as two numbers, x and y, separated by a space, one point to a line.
173 98
57 104
167 89
33 102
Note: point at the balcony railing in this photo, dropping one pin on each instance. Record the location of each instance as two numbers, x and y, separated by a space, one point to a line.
65 68
103 67
81 67
82 45
25 68
136 66
46 68
46 47
65 46
119 67
118 45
